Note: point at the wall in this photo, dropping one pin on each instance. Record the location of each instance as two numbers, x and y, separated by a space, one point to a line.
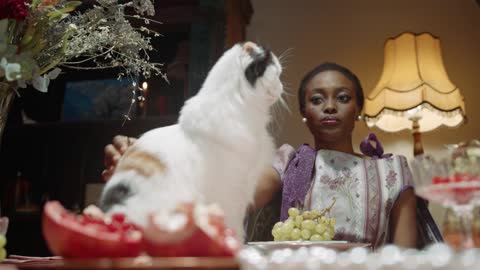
353 33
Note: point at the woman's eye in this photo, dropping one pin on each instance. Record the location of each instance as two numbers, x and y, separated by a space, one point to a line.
316 99
344 98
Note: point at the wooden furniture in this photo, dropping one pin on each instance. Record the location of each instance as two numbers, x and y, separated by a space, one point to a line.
180 263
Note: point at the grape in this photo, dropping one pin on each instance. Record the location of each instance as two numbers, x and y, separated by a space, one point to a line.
298 221
276 232
289 222
306 234
316 237
320 228
331 231
3 254
307 215
308 224
293 212
327 236
287 228
295 234
277 225
333 221
3 240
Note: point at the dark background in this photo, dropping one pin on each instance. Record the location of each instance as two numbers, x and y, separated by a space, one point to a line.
43 157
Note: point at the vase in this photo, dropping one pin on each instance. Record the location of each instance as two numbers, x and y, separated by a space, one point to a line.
7 93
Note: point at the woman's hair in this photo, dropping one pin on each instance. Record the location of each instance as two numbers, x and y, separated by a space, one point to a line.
329 66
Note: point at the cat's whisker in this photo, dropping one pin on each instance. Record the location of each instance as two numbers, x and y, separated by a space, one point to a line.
278 115
285 53
284 104
288 94
284 57
287 90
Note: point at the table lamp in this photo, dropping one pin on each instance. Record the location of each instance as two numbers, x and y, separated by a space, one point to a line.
414 91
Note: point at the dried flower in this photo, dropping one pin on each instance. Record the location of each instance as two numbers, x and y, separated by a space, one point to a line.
53 36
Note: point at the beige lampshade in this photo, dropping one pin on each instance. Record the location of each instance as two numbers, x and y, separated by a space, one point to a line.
414 85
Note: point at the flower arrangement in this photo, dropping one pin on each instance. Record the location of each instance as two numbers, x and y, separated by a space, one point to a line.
38 37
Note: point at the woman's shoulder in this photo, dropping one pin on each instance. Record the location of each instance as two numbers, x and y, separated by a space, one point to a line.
285 148
286 152
282 157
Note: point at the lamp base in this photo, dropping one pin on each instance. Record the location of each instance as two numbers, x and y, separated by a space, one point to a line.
417 139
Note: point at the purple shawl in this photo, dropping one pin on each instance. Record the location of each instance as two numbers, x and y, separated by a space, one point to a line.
297 179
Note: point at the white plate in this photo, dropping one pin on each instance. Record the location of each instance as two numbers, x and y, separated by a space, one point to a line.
303 243
338 245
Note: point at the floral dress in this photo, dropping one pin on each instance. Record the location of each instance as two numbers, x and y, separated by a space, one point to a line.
365 191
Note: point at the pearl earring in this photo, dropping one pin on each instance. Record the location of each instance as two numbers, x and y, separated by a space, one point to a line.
304 120
359 118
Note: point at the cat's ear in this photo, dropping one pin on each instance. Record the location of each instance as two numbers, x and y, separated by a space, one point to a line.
257 68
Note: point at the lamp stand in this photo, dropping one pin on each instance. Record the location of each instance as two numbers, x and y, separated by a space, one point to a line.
417 138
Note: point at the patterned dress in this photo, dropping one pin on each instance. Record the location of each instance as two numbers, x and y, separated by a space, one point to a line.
364 189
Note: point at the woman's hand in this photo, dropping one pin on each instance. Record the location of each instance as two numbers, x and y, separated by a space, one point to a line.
113 153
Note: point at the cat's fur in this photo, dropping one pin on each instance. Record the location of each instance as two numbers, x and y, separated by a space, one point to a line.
216 152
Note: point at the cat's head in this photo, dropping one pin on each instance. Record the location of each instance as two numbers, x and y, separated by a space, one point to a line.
252 69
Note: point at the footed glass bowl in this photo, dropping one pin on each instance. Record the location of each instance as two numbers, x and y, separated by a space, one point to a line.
453 182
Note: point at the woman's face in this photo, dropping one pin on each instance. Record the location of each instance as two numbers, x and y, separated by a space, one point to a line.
331 106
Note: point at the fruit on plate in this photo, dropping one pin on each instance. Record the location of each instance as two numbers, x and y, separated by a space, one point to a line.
190 230
440 180
84 236
3 242
305 225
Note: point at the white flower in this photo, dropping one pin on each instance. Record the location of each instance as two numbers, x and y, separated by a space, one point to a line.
41 82
54 73
11 71
72 26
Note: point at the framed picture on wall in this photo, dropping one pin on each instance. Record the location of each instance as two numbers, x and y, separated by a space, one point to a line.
98 99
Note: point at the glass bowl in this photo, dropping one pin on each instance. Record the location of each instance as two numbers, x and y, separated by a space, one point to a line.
453 182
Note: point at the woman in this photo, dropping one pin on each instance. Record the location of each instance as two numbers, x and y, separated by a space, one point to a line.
375 201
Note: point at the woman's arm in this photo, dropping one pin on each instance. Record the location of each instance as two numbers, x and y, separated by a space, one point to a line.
403 220
267 187
271 183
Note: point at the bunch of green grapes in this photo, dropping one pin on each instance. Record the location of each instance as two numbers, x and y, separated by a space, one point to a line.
306 225
3 242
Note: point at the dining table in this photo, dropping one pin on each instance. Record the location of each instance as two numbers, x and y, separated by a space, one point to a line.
282 255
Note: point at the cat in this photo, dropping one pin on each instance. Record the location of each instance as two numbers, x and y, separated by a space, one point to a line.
216 152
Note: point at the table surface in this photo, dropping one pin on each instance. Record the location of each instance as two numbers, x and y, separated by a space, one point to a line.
122 263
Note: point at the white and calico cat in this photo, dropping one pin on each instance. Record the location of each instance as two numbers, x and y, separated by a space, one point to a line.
217 151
